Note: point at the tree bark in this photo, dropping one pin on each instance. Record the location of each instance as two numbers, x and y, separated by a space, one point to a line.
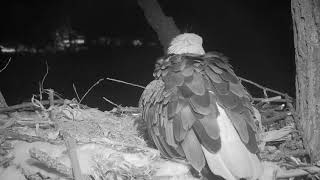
306 25
164 26
2 101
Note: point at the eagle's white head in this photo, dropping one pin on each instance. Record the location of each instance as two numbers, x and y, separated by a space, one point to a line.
186 43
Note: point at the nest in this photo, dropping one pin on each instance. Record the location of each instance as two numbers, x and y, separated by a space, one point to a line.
62 139
68 140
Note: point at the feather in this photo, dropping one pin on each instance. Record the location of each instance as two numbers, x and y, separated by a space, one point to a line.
222 63
213 76
212 145
240 124
214 55
185 91
158 144
172 80
172 108
187 71
207 83
229 77
180 151
221 88
252 144
197 84
210 125
215 68
156 130
237 89
201 104
199 110
233 160
156 115
178 130
187 117
157 74
169 134
170 151
177 63
193 151
164 72
229 101
164 116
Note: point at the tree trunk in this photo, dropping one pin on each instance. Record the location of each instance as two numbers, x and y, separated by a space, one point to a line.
306 24
164 26
2 101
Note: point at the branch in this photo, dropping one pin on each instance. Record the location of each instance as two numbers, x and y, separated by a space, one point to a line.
90 89
31 105
123 82
277 117
109 101
5 65
50 162
264 88
75 90
164 26
284 174
11 135
72 151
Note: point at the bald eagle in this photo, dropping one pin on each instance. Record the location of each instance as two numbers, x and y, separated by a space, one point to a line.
197 109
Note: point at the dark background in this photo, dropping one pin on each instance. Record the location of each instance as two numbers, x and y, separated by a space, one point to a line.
256 35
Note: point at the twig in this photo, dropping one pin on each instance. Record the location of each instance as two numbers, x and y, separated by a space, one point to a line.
43 124
31 105
11 135
130 110
85 94
8 124
75 90
272 99
50 162
56 94
6 160
72 150
264 88
284 174
51 97
123 82
109 101
5 65
277 117
43 79
51 102
112 143
296 153
45 75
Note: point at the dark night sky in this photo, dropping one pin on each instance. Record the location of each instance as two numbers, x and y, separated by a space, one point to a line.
257 35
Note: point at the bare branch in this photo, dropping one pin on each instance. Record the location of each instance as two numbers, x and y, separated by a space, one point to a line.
90 89
109 101
123 82
271 99
41 89
31 105
72 151
75 90
6 65
264 88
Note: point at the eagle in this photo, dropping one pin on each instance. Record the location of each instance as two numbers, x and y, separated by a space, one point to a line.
197 110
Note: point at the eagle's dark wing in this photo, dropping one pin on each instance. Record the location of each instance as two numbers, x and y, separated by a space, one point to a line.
181 108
